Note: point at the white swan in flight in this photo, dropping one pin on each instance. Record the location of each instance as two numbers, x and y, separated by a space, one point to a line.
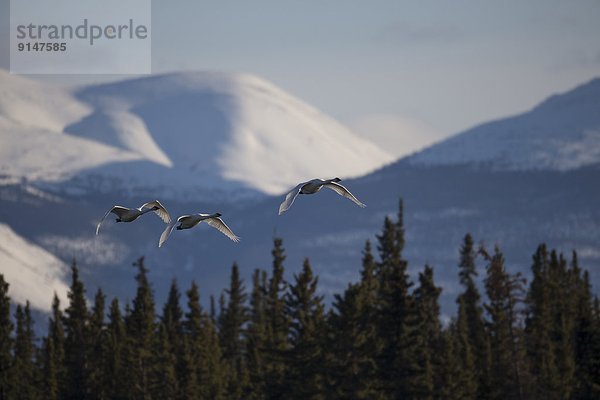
190 221
313 186
125 214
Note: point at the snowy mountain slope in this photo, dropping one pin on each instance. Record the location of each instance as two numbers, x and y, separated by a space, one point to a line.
561 133
37 154
35 104
33 145
205 135
32 272
229 129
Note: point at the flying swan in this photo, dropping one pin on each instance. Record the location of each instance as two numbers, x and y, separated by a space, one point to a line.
190 221
312 187
125 214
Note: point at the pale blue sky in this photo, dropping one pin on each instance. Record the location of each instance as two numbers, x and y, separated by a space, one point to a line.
447 64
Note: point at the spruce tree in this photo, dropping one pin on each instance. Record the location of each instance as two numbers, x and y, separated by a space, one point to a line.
277 324
204 349
396 361
591 386
188 375
172 323
49 384
504 292
141 337
180 347
115 361
467 379
193 325
587 341
6 327
559 284
428 380
256 337
172 316
97 344
232 323
305 358
213 309
76 344
538 328
473 314
368 278
352 341
452 375
369 289
350 363
53 352
25 384
164 383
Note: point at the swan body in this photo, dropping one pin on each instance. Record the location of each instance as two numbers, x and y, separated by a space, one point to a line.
125 214
190 221
312 187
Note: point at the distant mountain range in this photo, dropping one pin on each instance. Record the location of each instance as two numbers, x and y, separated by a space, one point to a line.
515 182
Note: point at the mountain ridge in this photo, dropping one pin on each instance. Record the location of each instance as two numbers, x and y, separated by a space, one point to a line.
560 133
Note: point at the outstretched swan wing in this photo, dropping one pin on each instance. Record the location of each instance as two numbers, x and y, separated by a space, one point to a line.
158 209
218 223
118 210
342 191
289 199
166 233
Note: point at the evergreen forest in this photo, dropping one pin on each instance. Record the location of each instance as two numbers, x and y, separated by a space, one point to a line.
277 338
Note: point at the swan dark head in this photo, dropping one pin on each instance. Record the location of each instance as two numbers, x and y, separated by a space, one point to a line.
217 214
336 179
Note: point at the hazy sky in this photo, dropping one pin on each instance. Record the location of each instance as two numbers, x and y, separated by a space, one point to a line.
424 68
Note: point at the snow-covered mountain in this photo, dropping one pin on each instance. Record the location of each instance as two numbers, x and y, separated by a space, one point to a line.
561 133
202 134
33 273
